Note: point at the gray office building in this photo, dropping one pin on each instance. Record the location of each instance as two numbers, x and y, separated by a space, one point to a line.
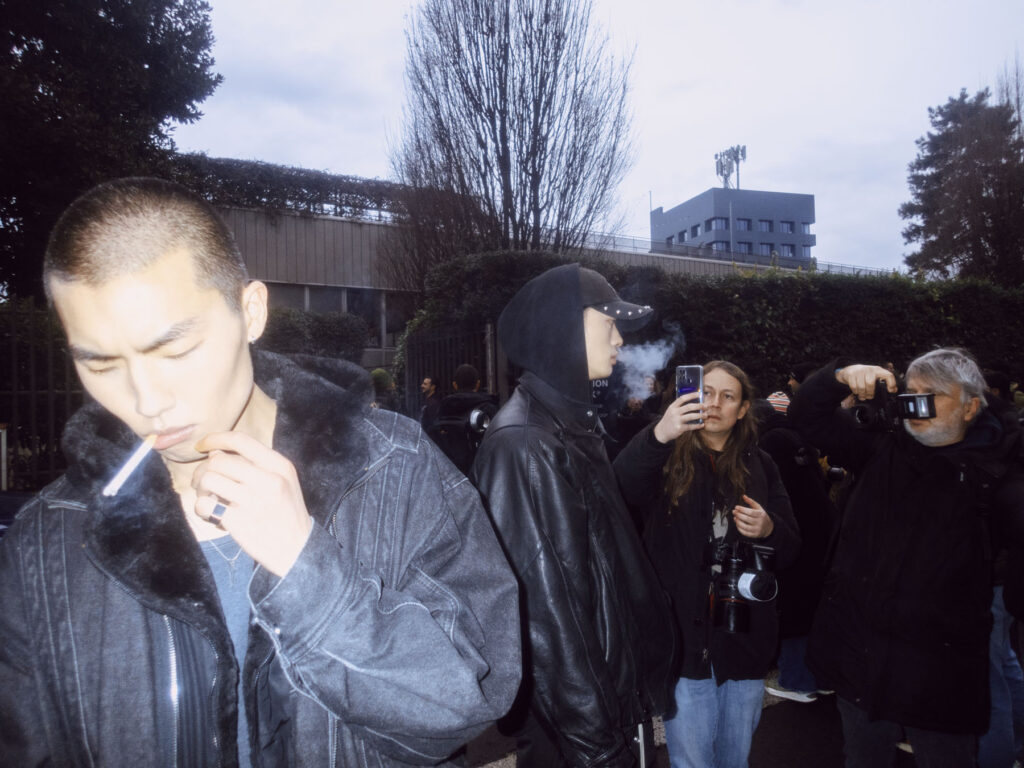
738 221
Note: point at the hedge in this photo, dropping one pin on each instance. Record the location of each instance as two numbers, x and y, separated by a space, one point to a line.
328 334
765 322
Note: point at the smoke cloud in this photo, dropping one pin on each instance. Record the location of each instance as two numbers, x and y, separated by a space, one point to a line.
640 361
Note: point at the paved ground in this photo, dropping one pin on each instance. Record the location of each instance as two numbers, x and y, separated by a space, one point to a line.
790 735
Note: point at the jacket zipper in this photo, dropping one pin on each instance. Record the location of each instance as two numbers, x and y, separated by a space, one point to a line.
332 738
213 687
175 694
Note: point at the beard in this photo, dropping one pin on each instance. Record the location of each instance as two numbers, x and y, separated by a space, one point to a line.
936 434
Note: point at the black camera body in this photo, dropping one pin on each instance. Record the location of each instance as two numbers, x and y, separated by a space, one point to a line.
745 578
886 412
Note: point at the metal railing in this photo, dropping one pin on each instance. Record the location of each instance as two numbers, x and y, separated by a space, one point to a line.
639 245
39 391
438 352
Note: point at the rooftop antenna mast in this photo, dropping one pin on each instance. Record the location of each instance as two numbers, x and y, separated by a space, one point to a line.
729 160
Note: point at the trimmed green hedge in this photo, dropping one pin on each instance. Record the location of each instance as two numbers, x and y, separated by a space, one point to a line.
765 322
328 334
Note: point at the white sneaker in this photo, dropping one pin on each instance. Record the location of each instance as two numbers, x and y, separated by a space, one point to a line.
785 693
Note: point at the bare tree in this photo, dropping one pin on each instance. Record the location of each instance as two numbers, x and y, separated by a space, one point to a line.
517 127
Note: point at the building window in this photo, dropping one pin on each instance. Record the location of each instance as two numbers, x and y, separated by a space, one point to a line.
682 236
788 250
786 227
764 225
365 302
743 225
287 295
695 231
720 245
668 241
806 250
765 249
326 298
806 227
744 247
719 223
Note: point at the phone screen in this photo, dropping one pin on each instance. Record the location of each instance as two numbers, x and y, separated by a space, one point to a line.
690 378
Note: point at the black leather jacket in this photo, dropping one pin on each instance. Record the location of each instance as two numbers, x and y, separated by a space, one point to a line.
598 644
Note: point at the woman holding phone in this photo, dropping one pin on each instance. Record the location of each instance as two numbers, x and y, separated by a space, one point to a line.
713 506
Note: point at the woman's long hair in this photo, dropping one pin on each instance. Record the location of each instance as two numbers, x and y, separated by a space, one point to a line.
730 471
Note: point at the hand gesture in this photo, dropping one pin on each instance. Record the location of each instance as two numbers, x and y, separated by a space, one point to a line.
681 416
265 512
861 379
752 521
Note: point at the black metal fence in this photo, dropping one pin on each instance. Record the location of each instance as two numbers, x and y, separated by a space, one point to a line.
39 390
439 351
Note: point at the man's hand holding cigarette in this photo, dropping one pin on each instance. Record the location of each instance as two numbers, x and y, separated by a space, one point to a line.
265 511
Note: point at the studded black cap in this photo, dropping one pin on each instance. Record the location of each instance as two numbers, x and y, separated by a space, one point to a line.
598 294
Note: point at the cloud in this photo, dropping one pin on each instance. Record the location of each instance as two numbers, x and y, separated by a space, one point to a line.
828 96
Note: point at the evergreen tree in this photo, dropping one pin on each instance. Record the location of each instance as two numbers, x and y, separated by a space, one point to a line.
90 91
967 193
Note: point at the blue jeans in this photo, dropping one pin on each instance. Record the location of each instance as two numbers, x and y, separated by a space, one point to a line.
793 671
999 747
713 724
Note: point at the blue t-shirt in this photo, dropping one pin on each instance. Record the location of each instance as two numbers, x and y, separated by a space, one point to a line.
232 569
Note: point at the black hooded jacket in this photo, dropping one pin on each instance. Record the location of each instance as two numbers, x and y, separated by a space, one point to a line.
598 642
816 516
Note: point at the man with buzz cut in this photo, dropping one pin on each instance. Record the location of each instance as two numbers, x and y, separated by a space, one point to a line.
294 578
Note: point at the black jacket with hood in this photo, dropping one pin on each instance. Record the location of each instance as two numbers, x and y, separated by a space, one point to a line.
598 640
815 514
903 627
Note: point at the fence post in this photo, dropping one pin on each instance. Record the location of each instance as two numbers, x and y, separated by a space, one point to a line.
492 374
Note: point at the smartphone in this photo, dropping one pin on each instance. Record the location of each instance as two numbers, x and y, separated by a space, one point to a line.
690 378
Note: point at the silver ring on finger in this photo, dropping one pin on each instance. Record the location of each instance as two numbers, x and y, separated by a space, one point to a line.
217 515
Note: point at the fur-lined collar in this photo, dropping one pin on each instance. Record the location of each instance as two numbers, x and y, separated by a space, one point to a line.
140 536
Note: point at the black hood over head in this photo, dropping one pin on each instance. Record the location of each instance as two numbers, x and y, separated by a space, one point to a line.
541 328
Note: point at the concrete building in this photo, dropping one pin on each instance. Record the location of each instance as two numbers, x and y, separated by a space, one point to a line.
741 222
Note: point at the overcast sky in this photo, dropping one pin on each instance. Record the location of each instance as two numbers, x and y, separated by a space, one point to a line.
827 95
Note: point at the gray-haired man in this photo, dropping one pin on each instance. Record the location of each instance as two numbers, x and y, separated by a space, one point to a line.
903 630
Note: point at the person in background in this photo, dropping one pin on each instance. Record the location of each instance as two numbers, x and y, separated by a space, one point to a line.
432 401
384 395
597 635
818 520
903 630
709 495
463 417
1002 743
797 374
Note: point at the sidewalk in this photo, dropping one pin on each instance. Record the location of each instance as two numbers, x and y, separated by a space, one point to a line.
790 735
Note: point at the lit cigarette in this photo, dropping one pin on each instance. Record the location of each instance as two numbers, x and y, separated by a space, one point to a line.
134 460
